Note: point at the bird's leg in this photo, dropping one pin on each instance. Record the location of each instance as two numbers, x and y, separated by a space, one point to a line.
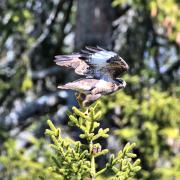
80 97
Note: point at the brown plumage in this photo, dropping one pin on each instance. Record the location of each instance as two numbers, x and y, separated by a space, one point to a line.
101 69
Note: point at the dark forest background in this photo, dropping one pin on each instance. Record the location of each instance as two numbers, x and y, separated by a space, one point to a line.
146 33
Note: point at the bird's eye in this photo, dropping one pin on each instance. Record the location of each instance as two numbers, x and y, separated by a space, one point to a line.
119 81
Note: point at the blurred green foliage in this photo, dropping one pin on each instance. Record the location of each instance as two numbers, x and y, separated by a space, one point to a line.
146 112
22 163
165 13
153 122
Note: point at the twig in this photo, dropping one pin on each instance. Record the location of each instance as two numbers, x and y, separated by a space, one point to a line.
48 25
173 67
63 25
54 70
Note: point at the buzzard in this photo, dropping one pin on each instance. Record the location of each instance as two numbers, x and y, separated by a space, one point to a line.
101 69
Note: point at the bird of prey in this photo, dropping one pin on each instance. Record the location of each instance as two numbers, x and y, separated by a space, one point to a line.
101 69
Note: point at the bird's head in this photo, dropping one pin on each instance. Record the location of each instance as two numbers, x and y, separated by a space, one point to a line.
117 66
120 83
118 62
122 63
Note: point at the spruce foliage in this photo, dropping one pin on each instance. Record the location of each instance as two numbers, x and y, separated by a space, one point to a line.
74 159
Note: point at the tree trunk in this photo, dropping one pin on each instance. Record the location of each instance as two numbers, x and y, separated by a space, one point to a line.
94 27
94 23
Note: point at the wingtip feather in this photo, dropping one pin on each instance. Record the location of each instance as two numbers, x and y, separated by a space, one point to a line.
91 49
62 87
100 48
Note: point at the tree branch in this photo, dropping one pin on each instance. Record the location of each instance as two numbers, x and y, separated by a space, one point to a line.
172 68
38 107
63 25
48 25
52 71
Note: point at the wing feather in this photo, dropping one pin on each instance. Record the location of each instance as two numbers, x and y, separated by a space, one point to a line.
92 49
94 62
80 85
73 61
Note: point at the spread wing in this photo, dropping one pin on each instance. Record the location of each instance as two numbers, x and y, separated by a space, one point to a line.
81 85
94 62
73 61
105 64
